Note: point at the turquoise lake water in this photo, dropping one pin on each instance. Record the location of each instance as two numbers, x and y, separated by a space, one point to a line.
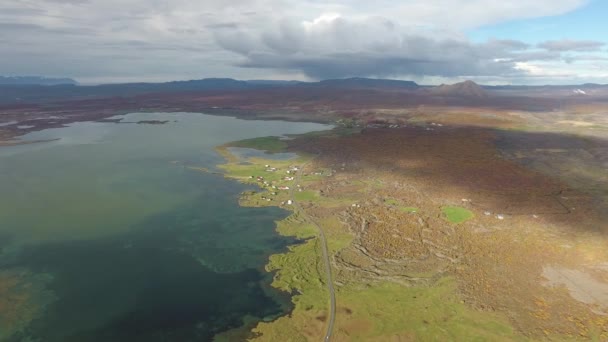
106 235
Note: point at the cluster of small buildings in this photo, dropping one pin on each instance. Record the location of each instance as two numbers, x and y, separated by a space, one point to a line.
434 124
269 168
498 216
292 170
260 179
385 125
392 125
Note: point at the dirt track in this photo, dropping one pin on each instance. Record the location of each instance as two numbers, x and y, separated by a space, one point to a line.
325 255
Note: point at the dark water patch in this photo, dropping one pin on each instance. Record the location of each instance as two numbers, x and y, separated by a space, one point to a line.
130 243
113 291
183 275
5 240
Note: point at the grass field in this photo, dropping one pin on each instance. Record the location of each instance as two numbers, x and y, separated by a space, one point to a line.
306 196
396 203
391 312
457 215
392 201
268 144
366 312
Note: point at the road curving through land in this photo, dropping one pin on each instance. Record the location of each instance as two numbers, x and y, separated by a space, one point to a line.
325 254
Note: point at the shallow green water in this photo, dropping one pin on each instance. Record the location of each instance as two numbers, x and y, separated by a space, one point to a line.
106 235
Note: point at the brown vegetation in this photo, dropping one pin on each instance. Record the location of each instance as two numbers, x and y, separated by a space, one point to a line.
524 222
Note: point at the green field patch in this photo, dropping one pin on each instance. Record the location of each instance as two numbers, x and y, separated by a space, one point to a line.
377 311
392 201
337 202
298 272
374 184
293 226
248 171
306 195
396 203
520 128
262 199
268 144
457 214
337 237
317 175
432 313
256 167
333 133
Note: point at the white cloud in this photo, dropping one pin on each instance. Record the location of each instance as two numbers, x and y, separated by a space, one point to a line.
160 39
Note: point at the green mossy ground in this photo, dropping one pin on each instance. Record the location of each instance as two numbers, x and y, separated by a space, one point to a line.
379 311
268 144
456 215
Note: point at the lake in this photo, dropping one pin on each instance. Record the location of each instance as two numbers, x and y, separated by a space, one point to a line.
107 235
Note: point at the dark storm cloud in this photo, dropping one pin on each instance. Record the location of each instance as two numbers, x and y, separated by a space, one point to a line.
342 48
68 1
527 56
507 45
19 27
344 65
231 25
571 45
18 11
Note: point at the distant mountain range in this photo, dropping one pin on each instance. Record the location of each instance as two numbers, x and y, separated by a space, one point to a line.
358 82
33 89
36 89
35 80
229 83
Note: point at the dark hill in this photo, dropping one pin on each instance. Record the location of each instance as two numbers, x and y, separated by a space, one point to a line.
463 89
358 82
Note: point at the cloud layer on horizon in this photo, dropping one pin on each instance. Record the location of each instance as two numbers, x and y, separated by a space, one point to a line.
155 39
337 47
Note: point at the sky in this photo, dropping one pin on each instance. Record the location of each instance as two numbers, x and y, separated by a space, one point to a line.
428 41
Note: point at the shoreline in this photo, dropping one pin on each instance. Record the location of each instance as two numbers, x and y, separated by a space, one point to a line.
242 294
388 287
9 134
282 227
382 293
299 271
13 142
